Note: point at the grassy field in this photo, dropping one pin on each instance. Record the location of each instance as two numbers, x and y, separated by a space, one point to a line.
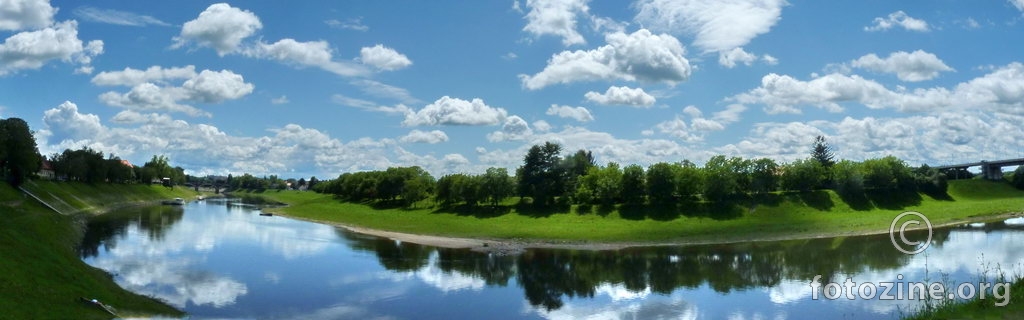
41 276
772 216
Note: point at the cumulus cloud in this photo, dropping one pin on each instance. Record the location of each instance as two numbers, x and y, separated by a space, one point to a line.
117 17
1002 91
454 111
716 25
385 91
914 66
350 24
316 54
624 96
132 77
33 49
898 19
152 91
556 18
696 129
1018 3
640 56
580 114
383 58
26 14
541 126
515 128
68 123
221 27
431 137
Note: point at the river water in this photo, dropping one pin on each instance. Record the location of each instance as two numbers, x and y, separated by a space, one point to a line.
218 261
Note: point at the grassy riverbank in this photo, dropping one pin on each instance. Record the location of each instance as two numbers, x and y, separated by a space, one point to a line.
772 216
41 276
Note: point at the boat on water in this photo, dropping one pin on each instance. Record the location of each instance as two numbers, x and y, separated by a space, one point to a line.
175 202
266 214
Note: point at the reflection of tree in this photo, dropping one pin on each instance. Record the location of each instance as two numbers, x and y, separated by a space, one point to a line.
549 276
107 228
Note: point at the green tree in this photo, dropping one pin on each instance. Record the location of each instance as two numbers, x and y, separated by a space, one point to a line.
848 178
20 157
764 175
689 181
497 185
888 173
822 152
633 185
662 182
1018 178
803 175
540 177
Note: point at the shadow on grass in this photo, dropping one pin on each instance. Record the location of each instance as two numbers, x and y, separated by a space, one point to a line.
536 210
856 200
818 199
477 211
893 199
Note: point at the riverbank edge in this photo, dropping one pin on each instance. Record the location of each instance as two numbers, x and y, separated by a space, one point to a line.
77 220
515 246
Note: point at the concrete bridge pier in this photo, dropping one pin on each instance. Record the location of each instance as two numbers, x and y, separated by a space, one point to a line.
991 171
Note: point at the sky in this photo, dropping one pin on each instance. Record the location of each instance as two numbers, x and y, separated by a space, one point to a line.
318 88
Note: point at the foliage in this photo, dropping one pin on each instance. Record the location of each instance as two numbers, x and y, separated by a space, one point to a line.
19 157
822 152
633 184
848 178
1018 178
496 185
661 182
888 173
802 175
930 181
720 179
88 165
541 177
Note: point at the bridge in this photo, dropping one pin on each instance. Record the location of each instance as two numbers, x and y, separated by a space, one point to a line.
992 170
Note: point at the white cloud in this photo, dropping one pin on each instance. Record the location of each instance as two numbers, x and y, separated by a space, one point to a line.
132 77
221 27
1002 91
385 91
384 58
640 56
350 24
914 66
898 19
515 128
280 100
216 86
769 60
625 96
67 123
151 91
580 114
431 137
541 126
510 56
696 130
455 111
557 18
730 58
716 25
33 49
352 102
117 17
1017 3
25 14
304 54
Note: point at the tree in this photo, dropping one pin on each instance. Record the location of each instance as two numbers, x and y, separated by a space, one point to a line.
930 180
541 177
688 179
1018 178
633 185
822 152
20 157
764 176
497 185
848 178
803 175
720 179
661 182
888 173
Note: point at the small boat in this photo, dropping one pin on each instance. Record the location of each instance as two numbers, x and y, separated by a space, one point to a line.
266 214
175 202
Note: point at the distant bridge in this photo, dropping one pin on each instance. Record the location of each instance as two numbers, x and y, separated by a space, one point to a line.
992 170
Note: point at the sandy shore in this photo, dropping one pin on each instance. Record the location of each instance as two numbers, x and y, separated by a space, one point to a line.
515 246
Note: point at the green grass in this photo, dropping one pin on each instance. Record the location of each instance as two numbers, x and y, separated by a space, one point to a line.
773 216
41 276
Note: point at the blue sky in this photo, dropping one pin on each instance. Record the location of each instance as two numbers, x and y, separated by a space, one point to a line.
324 87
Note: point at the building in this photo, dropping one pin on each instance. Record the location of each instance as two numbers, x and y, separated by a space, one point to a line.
46 171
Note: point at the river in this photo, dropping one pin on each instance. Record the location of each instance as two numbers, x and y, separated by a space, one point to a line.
218 261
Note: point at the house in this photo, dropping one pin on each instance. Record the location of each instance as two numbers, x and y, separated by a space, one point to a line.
46 171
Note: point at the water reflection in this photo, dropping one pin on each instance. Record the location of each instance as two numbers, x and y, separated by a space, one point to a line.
225 261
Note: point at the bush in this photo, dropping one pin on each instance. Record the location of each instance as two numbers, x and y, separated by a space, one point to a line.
1018 178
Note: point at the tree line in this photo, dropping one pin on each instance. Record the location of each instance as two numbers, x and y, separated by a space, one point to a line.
546 178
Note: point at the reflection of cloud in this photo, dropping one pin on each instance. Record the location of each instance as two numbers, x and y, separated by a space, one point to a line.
619 292
430 274
789 291
339 312
651 308
176 282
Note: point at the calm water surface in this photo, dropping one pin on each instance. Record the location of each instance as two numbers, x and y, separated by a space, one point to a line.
218 261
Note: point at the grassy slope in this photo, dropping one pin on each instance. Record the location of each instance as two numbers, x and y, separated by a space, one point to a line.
41 276
778 216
